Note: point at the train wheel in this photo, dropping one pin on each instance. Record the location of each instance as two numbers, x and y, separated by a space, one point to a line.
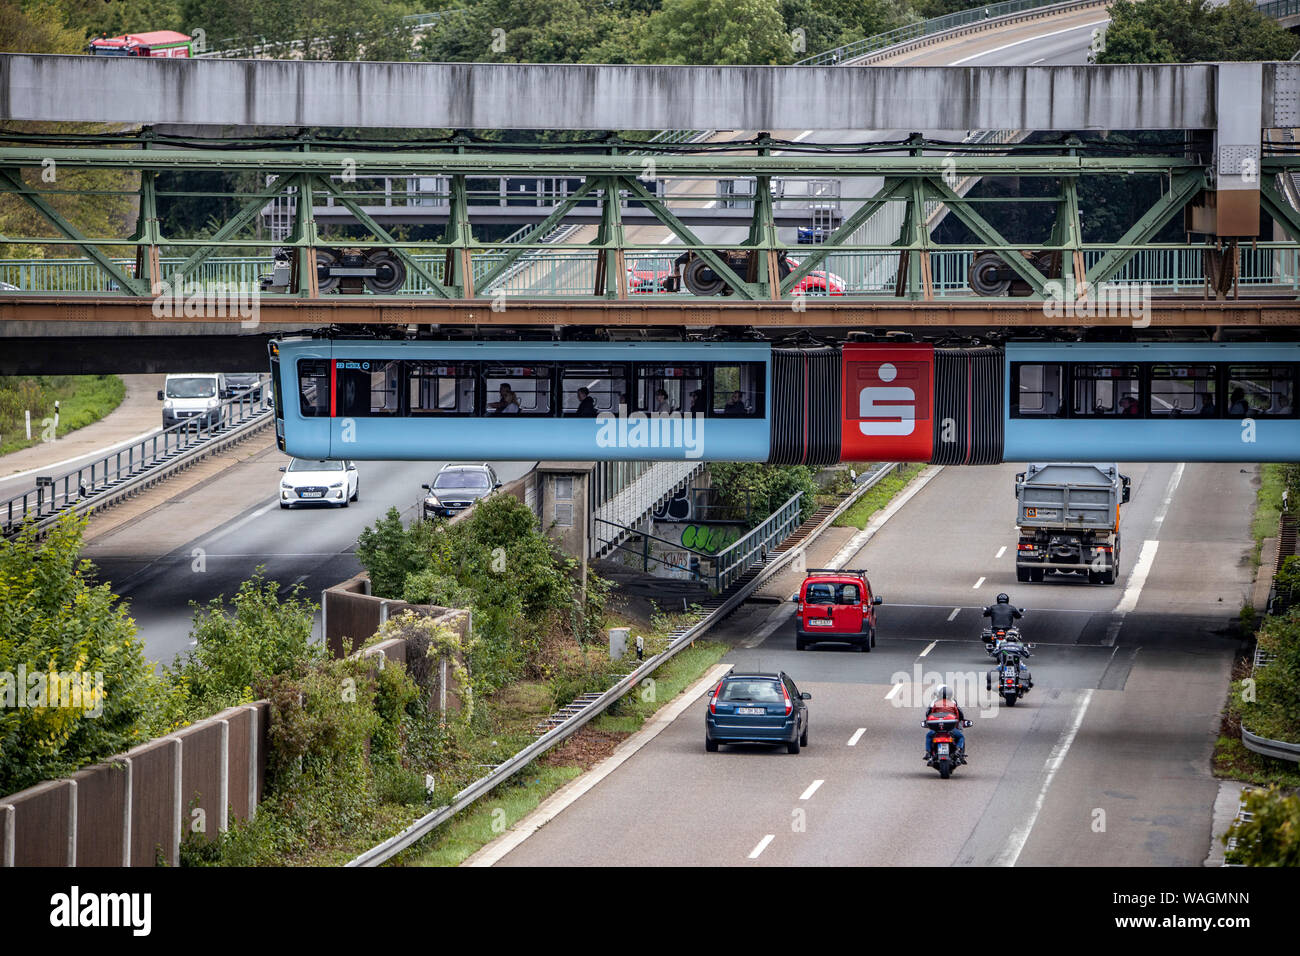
702 280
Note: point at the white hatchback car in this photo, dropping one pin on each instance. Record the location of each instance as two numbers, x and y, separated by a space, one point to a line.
319 482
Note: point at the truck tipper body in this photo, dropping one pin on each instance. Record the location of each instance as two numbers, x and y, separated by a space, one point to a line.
1068 519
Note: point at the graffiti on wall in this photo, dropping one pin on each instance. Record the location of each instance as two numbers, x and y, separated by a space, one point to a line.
708 538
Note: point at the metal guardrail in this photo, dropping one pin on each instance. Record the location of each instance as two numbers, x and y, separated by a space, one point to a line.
420 828
1268 747
125 470
995 14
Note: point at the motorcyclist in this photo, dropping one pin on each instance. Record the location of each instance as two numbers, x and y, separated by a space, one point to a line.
1014 653
1003 614
945 705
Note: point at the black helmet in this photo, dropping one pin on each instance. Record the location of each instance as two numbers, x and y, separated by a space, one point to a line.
1003 599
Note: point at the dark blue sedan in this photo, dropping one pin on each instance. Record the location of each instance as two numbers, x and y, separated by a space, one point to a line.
756 708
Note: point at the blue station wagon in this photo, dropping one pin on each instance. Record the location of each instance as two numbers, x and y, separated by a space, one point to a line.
756 708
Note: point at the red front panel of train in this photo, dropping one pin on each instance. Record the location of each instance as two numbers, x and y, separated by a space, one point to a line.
888 402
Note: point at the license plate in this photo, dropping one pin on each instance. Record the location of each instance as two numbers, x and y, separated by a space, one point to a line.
819 622
751 711
310 494
943 750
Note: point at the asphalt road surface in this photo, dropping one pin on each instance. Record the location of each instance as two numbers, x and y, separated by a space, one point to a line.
162 561
1104 763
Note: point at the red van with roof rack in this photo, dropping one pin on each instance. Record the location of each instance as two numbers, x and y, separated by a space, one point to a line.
836 606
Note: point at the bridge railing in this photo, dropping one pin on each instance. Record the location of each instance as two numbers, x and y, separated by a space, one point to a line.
572 273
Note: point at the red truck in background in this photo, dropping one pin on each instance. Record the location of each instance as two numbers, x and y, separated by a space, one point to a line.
166 43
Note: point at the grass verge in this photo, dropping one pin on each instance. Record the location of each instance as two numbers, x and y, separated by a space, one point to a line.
83 399
513 800
862 510
1268 506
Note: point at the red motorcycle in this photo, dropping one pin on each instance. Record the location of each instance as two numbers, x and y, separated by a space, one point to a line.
943 751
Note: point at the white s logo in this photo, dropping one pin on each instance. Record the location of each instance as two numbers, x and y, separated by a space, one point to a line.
878 402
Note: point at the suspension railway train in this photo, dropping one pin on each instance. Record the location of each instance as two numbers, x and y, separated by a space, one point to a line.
750 401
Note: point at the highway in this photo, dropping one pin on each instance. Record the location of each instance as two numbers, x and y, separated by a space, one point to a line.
1063 40
1105 762
207 539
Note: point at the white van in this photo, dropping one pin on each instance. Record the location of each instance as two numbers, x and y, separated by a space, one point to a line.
192 395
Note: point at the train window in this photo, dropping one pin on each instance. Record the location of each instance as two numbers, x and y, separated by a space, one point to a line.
664 389
738 390
1037 390
1183 390
1106 390
434 389
1260 391
368 388
517 389
588 390
314 388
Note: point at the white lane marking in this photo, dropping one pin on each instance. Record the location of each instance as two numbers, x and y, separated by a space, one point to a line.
1170 488
859 540
557 802
1049 610
812 788
96 453
762 845
977 585
1033 39
955 612
1039 60
1011 852
1138 578
1001 551
222 532
799 138
857 735
928 648
893 693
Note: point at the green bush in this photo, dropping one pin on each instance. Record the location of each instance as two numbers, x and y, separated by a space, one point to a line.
53 620
259 636
1272 836
520 589
1275 712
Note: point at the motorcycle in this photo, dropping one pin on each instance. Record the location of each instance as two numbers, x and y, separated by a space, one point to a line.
1013 677
995 637
944 756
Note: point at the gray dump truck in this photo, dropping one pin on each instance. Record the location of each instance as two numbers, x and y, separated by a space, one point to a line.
1068 517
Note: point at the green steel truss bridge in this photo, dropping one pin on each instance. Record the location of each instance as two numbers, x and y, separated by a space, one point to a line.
663 271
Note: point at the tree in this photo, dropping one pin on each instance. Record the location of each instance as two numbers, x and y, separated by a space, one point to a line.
321 29
1192 31
560 31
763 488
717 32
838 22
88 690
